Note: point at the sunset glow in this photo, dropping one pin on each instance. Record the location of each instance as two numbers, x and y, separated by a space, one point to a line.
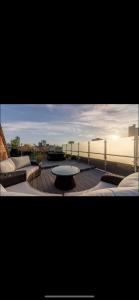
60 123
115 137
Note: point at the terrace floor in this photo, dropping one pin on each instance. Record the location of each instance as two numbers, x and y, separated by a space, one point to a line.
87 178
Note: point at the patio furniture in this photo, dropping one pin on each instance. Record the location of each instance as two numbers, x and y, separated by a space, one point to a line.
15 174
25 189
112 179
12 178
64 176
129 186
21 163
55 156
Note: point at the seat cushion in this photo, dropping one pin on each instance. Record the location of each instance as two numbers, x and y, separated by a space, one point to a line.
21 161
123 191
25 187
29 170
14 194
88 193
100 185
2 189
110 192
7 165
3 192
130 180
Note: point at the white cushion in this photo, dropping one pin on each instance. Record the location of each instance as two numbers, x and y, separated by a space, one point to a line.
2 189
100 185
24 187
13 194
29 170
21 161
130 180
100 193
123 191
7 165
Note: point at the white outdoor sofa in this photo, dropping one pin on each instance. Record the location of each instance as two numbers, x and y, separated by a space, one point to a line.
129 186
22 163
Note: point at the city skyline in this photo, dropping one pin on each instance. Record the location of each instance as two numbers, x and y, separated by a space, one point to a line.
60 123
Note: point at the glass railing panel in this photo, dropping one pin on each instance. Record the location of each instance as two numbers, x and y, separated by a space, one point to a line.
83 146
97 146
64 148
138 152
69 147
118 159
123 148
75 147
68 152
83 154
97 156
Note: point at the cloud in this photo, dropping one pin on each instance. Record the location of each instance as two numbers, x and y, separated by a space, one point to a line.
49 128
109 115
79 121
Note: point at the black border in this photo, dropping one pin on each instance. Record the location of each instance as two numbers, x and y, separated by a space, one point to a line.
77 245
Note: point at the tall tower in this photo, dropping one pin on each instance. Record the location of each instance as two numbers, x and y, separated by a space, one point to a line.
131 130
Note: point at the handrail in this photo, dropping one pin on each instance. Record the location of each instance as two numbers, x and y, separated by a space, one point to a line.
88 153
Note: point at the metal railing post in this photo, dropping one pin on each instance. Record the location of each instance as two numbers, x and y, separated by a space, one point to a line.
135 152
71 149
88 152
78 150
105 155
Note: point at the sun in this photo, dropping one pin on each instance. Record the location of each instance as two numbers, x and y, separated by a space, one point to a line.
115 136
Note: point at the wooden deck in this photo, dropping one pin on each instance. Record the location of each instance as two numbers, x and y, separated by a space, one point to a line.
86 179
46 164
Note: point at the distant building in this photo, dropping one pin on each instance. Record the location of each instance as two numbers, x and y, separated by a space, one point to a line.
132 130
54 148
42 143
51 148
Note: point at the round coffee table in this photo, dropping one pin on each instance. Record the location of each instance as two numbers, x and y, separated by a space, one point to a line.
64 176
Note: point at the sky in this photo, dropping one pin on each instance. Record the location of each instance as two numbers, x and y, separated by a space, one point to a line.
60 123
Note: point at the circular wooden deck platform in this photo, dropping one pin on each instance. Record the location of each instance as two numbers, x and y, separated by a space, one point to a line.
84 180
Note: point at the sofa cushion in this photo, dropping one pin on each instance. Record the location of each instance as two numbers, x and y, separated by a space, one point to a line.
130 180
29 170
100 185
113 179
110 192
123 191
25 187
7 165
21 161
101 192
2 189
14 194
